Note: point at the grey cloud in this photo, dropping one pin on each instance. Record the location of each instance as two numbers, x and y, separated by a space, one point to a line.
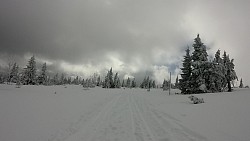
78 30
87 32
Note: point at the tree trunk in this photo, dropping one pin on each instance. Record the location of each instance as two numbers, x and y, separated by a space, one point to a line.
229 86
228 81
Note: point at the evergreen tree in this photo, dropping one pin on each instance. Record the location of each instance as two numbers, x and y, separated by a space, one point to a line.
61 81
82 83
200 67
118 85
69 80
30 72
133 84
76 80
143 84
147 83
110 77
185 83
150 84
55 80
49 81
18 83
65 81
115 84
98 81
200 75
14 73
123 83
86 83
230 72
200 53
108 81
165 85
91 82
177 82
42 79
217 77
1 78
217 58
128 83
241 84
153 84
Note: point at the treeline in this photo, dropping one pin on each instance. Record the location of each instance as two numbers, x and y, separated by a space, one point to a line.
200 75
114 82
31 76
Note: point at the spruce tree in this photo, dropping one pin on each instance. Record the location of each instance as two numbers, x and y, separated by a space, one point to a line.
108 81
118 85
143 84
177 82
230 72
69 80
150 84
128 83
115 82
55 79
110 77
123 83
1 78
42 79
133 84
18 83
61 81
147 83
200 75
165 85
217 58
153 84
30 72
65 81
217 77
200 67
241 84
75 81
14 73
98 81
185 84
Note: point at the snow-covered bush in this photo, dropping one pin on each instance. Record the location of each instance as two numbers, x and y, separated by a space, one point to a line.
196 100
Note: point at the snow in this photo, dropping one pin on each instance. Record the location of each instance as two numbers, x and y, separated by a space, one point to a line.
72 113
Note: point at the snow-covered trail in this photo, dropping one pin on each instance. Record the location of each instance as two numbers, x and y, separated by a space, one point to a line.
127 116
160 125
36 113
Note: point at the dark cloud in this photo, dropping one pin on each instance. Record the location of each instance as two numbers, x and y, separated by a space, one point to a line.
131 36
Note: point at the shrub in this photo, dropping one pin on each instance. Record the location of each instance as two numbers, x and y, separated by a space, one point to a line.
196 100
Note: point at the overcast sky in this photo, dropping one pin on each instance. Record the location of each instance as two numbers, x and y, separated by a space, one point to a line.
135 37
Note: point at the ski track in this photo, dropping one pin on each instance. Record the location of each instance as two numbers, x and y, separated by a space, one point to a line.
127 117
85 120
163 126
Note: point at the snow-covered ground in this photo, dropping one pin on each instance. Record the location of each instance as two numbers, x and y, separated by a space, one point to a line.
56 113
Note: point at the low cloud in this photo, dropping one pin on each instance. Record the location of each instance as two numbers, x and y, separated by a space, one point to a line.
135 38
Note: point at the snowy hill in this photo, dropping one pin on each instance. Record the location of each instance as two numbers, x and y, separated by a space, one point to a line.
56 113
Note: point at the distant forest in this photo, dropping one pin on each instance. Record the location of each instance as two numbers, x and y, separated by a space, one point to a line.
199 75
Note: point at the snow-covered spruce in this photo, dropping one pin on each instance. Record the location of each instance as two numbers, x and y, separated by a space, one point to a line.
200 75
